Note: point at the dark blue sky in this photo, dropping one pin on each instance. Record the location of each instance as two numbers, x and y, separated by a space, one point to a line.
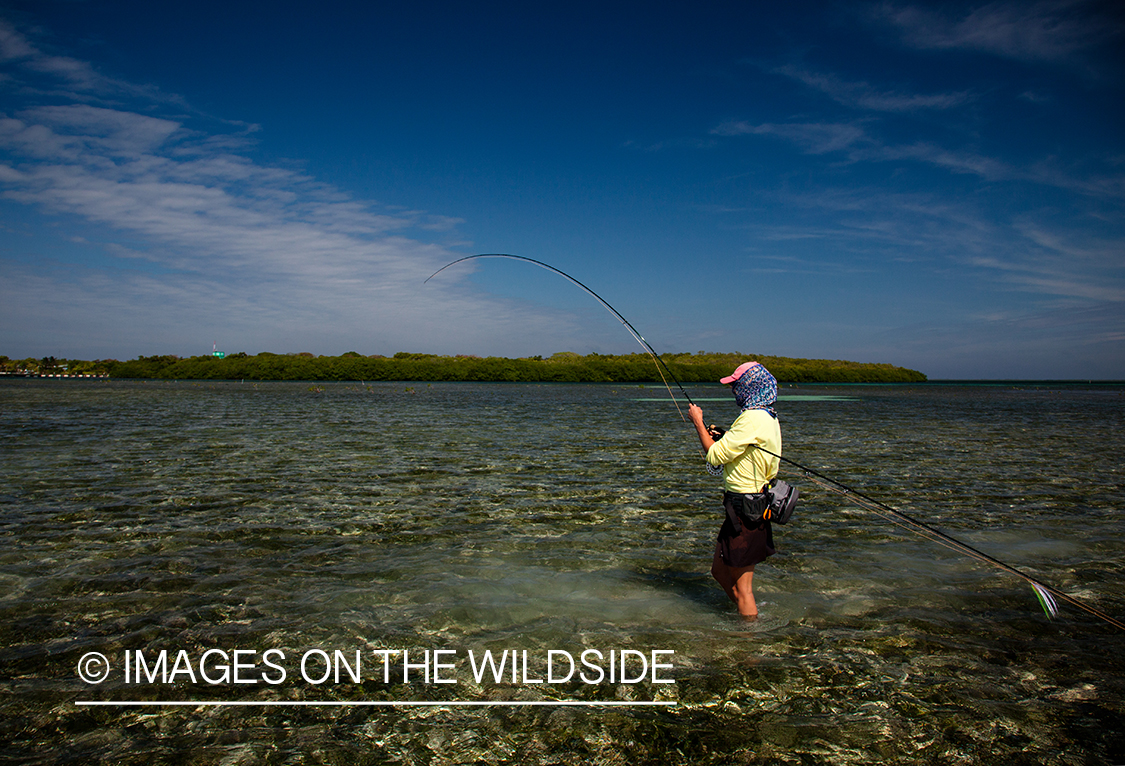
933 185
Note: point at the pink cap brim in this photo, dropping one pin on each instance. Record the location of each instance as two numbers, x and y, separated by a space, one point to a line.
737 373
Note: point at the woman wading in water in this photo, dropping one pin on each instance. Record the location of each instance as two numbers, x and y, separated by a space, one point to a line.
743 542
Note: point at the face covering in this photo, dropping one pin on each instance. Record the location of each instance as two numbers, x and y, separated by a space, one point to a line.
756 389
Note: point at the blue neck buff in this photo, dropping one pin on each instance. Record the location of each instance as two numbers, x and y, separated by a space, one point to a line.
756 389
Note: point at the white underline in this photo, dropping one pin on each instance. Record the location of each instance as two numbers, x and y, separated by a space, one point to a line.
373 703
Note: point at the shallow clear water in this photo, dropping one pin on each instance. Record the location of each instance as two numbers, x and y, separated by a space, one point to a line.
190 517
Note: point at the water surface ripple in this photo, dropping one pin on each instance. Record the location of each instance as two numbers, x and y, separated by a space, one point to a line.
197 516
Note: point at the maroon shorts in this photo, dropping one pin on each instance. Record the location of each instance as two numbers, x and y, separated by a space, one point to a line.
753 545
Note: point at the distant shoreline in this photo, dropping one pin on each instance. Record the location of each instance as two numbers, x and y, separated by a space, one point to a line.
564 367
981 383
700 368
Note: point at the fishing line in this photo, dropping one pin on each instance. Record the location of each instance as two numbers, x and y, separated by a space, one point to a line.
1044 593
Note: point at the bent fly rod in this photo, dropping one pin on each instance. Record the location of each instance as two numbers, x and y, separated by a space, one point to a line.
1044 593
632 330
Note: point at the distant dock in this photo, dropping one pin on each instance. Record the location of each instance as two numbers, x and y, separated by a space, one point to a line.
29 374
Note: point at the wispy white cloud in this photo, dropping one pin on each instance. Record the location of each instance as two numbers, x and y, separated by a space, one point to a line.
1052 278
79 132
1067 263
857 144
13 45
855 141
873 227
1059 341
1043 31
863 95
197 234
144 175
759 264
67 76
812 137
955 161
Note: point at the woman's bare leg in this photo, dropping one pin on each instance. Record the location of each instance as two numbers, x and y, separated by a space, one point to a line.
738 583
744 591
721 573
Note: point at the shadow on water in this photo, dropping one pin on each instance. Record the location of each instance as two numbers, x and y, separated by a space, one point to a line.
690 585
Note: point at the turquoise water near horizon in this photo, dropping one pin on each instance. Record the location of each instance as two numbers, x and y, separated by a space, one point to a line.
193 517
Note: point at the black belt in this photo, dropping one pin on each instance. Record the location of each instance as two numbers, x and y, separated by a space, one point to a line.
745 507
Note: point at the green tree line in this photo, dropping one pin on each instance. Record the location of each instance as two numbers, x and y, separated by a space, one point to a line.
564 367
49 365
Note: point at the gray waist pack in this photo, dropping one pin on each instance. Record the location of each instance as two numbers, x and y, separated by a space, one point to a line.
783 499
775 503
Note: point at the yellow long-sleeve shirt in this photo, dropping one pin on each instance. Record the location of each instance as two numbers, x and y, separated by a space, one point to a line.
746 469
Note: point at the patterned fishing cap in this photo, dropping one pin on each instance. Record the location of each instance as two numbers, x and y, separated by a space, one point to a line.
754 387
